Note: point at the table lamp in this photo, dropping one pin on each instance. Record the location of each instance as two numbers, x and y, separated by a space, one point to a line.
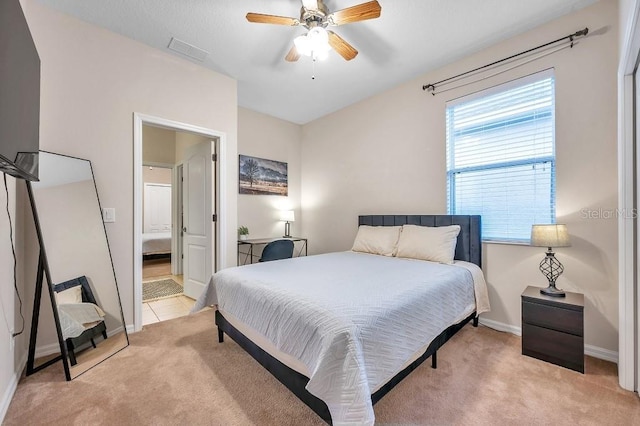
550 236
287 216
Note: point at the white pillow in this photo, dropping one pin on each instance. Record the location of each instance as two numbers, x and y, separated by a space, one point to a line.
434 243
70 295
381 240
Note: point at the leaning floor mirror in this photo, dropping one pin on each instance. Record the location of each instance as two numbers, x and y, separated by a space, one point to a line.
75 269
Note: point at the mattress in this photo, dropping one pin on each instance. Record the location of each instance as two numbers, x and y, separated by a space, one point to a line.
156 242
350 321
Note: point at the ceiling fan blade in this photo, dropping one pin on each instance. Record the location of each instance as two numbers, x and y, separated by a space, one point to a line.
343 48
361 12
293 55
272 19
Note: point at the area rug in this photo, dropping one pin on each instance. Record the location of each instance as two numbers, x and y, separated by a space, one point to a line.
159 289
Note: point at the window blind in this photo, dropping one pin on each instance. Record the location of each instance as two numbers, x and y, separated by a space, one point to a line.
501 157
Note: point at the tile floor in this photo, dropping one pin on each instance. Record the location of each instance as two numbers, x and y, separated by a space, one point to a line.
166 309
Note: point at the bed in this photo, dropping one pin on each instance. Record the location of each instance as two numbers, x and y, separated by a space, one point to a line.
340 330
155 244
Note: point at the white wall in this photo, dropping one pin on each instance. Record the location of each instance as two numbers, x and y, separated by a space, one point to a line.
263 136
11 360
19 69
92 83
156 175
386 155
183 140
158 145
75 246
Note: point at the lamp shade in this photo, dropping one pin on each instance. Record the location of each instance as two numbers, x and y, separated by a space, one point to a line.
287 216
550 236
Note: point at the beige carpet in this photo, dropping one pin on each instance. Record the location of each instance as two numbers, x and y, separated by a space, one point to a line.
175 372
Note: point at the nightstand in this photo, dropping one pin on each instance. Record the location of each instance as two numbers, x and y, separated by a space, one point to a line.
553 328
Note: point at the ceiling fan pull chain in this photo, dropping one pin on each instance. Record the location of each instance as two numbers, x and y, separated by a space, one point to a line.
313 68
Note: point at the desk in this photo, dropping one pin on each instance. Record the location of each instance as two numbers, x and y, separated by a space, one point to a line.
249 244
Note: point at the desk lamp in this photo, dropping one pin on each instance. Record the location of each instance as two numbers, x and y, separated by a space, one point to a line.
287 216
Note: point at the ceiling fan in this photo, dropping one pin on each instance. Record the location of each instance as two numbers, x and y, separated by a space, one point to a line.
315 17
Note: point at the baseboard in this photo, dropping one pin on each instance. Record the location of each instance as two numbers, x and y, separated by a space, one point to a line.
115 331
54 348
131 329
500 326
590 350
44 350
600 353
11 388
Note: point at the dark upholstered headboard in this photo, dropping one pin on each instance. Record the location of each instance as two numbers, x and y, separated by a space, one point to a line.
469 246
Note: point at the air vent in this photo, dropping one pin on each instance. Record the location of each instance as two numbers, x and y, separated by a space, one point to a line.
187 49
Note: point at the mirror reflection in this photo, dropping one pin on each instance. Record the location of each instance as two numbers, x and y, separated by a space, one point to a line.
79 262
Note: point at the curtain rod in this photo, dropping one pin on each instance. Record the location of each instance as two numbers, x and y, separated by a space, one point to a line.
432 86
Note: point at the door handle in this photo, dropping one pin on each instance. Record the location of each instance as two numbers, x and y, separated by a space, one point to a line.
184 229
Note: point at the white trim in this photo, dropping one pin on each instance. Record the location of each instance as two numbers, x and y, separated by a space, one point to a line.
137 221
46 350
54 348
626 249
221 141
501 326
10 391
627 328
590 350
176 215
601 353
221 197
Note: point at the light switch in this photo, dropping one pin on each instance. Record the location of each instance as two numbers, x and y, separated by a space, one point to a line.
108 214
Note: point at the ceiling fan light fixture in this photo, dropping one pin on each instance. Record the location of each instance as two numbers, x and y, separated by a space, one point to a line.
302 45
315 16
315 43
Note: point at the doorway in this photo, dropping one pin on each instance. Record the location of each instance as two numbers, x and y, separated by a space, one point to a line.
162 282
158 206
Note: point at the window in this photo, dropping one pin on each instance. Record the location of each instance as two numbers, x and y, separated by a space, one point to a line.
501 157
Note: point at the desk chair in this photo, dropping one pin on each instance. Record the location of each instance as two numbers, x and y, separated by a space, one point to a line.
278 249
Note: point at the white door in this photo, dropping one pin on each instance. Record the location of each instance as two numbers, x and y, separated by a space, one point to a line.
157 207
198 225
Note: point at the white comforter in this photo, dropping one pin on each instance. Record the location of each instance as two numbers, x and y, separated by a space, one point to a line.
156 242
353 319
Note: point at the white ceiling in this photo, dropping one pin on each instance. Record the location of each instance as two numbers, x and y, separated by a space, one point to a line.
411 37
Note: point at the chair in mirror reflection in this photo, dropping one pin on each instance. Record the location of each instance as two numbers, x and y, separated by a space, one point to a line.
81 319
75 262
